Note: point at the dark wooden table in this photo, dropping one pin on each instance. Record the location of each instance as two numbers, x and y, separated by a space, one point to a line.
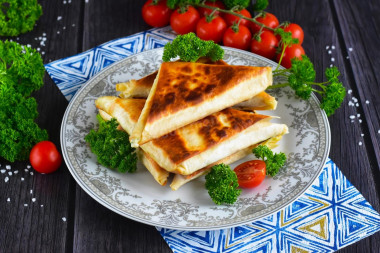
351 26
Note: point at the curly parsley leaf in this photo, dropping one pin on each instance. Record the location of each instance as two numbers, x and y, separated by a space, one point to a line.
273 161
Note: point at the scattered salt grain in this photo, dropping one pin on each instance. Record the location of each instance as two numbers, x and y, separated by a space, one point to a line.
352 117
10 173
28 166
2 171
22 179
350 103
34 199
354 99
329 52
26 170
38 49
31 173
332 59
64 27
367 102
350 49
31 191
362 135
73 25
347 57
331 65
357 104
360 143
358 115
64 218
8 199
327 47
360 121
58 32
25 204
333 47
378 131
8 167
6 179
64 2
43 34
15 172
59 18
42 205
349 91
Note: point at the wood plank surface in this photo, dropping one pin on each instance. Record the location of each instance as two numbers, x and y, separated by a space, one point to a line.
32 221
75 26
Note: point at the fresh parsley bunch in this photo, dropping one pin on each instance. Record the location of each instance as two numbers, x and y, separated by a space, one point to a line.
18 16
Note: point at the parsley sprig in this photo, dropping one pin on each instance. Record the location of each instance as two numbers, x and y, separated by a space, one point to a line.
301 78
273 161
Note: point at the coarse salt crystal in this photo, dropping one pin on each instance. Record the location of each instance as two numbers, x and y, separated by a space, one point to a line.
333 47
42 205
6 179
360 143
34 199
2 171
350 103
8 167
10 173
64 218
26 170
28 166
333 59
378 131
22 179
358 115
362 135
73 25
43 34
360 121
58 32
42 53
357 104
331 65
31 191
31 173
59 18
352 117
25 204
354 99
15 172
64 27
367 102
8 199
350 49
349 91
327 47
347 57
329 52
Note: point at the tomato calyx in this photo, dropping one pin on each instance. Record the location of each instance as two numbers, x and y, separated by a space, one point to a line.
154 2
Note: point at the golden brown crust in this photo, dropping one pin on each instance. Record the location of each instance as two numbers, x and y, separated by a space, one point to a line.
209 131
184 84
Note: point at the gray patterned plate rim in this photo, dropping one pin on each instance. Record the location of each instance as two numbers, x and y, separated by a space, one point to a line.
188 215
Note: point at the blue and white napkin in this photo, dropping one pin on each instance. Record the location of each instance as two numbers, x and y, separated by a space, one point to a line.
330 215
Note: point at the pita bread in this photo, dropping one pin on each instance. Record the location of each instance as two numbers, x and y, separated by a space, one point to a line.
186 92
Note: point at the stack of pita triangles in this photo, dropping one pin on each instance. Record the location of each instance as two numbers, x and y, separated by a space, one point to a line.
186 117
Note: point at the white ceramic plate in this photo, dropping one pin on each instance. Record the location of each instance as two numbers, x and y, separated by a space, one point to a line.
138 197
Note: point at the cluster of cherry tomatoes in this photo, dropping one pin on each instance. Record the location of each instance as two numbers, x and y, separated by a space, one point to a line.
228 29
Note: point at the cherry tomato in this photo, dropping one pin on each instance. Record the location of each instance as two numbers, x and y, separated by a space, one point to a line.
293 51
240 39
44 157
156 15
231 19
296 31
266 46
205 11
186 22
268 19
212 30
250 174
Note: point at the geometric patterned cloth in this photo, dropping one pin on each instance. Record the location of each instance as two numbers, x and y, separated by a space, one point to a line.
330 215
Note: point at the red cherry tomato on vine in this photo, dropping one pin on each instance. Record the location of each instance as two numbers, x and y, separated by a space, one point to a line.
266 46
250 174
240 39
231 19
44 157
296 31
293 51
156 15
212 30
205 11
268 19
186 22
